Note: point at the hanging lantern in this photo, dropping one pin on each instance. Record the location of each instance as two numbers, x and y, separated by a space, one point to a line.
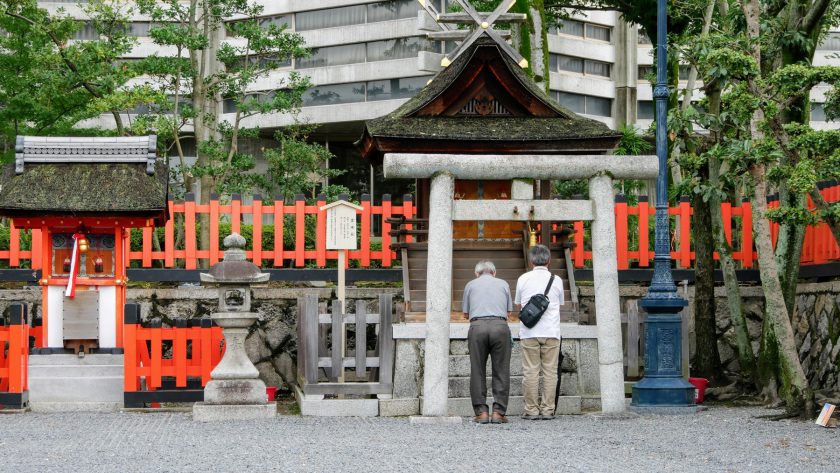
66 266
98 265
532 237
83 244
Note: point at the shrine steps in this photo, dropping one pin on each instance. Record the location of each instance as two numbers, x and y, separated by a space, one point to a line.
60 382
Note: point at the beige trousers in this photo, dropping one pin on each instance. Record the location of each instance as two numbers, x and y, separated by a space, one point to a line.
539 356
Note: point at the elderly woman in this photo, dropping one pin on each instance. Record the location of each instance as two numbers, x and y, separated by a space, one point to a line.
487 303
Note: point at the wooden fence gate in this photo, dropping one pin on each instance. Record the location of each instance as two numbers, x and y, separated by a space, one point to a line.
323 345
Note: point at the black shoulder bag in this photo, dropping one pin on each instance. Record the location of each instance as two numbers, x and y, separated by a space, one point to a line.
536 306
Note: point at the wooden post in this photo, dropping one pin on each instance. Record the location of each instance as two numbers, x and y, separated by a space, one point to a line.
279 215
189 232
621 231
256 233
337 342
361 339
309 319
386 340
342 261
632 338
644 232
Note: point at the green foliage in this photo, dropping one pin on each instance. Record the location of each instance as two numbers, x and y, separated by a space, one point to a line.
298 166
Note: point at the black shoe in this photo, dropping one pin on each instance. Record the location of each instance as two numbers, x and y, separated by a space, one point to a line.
546 417
528 417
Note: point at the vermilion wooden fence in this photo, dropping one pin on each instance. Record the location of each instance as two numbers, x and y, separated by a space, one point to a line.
634 233
14 352
181 353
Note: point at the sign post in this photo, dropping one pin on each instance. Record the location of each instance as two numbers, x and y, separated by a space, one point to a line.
341 236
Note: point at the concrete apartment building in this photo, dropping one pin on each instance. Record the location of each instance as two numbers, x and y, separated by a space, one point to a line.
370 57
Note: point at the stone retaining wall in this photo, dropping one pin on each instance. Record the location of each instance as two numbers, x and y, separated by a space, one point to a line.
272 343
816 325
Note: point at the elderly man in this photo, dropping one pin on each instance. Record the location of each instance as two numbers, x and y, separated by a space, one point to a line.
487 304
540 343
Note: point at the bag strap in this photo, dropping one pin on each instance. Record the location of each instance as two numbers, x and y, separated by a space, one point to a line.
548 288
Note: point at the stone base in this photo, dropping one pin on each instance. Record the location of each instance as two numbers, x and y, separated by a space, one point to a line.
76 406
666 410
435 420
319 407
203 412
235 391
399 407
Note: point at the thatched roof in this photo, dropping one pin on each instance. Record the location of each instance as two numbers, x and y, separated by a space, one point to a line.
87 176
427 122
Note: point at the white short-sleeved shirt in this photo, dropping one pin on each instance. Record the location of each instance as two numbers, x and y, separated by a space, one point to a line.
534 282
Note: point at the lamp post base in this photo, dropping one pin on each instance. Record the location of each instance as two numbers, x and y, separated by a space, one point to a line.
663 392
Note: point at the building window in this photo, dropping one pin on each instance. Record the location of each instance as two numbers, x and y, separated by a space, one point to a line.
393 10
571 28
264 22
561 62
334 94
645 110
597 32
649 72
582 30
586 104
831 42
86 32
818 112
399 48
330 18
333 56
395 88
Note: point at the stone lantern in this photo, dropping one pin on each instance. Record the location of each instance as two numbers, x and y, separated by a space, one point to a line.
235 391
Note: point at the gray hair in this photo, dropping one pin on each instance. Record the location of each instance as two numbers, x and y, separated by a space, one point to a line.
485 267
539 255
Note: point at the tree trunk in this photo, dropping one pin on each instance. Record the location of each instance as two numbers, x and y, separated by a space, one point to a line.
777 337
706 359
532 40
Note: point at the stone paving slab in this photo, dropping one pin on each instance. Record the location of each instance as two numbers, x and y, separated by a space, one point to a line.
717 440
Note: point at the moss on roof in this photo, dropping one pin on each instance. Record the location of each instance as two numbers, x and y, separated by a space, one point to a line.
566 126
70 188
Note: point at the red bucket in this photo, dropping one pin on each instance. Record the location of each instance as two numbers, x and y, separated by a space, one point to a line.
271 393
700 385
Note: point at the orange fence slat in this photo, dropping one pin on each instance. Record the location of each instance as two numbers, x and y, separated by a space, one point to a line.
300 239
256 233
621 232
746 234
386 231
36 248
365 226
14 245
147 247
169 238
685 233
644 233
189 232
578 238
279 217
321 232
236 214
214 229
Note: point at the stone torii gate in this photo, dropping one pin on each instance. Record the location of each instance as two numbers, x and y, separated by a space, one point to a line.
443 169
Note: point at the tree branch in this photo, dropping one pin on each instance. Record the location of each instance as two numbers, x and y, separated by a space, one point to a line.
815 15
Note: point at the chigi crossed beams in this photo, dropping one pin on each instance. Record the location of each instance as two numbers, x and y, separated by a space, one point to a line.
480 23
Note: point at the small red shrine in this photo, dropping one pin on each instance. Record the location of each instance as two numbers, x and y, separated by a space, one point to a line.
81 196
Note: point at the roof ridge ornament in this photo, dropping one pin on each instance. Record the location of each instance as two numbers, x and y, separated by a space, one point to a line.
482 23
90 150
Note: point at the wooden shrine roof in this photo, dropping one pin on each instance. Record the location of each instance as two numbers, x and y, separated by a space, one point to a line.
85 176
484 103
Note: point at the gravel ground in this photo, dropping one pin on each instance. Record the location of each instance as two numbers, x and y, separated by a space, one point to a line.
720 439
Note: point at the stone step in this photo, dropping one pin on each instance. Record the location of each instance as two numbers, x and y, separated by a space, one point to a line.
459 365
566 405
70 383
69 371
460 386
74 360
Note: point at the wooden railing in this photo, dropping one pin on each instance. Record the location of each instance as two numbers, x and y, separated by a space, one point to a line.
168 364
304 228
634 234
314 353
14 358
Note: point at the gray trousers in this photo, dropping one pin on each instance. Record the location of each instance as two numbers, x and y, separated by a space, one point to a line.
489 337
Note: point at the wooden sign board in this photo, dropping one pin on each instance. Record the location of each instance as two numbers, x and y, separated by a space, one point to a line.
341 225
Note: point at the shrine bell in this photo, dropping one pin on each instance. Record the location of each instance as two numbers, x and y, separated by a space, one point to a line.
80 197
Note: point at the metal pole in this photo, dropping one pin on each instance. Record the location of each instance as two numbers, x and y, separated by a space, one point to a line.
663 385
